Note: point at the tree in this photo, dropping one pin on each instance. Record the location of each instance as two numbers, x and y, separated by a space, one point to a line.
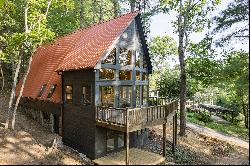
234 20
192 17
160 49
229 74
169 85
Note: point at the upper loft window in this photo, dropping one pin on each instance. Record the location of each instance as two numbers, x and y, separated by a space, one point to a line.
52 90
107 74
42 90
111 58
125 57
137 59
145 64
69 93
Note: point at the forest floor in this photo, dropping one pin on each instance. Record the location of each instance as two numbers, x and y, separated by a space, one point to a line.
30 143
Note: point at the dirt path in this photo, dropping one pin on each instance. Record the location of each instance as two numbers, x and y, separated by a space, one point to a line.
218 135
219 119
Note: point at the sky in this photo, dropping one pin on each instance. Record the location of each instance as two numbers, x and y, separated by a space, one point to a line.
161 25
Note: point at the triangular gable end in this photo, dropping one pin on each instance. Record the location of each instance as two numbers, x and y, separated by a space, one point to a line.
132 38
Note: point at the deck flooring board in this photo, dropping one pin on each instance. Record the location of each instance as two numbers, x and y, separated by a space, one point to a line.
136 157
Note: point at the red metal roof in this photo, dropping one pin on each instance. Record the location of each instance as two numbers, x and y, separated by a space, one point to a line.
79 50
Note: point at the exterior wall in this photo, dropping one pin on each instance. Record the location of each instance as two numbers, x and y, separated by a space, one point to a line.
79 120
45 112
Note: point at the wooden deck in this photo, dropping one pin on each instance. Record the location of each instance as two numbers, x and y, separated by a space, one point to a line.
136 157
132 119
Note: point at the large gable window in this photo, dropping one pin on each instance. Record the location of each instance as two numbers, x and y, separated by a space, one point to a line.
69 93
41 90
111 58
107 74
125 57
52 90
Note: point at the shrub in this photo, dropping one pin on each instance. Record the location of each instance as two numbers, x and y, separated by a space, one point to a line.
204 117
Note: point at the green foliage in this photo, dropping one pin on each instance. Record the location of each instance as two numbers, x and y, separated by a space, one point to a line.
169 85
204 117
160 49
202 64
236 19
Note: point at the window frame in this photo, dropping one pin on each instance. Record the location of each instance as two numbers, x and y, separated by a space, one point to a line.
51 91
65 93
42 90
103 61
103 79
91 91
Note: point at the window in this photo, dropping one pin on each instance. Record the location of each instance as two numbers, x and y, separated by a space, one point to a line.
144 76
69 93
145 94
125 75
42 90
107 96
138 103
52 90
111 58
107 74
125 96
125 57
145 64
137 59
86 95
138 75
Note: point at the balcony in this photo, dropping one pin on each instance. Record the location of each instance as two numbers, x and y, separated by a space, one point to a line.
132 119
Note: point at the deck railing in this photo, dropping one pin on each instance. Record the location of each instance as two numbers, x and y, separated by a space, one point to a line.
136 116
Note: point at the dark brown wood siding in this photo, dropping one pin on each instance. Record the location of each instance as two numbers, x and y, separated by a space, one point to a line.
79 120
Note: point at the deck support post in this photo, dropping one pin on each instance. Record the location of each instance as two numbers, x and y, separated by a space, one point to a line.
164 140
127 137
174 132
41 118
52 123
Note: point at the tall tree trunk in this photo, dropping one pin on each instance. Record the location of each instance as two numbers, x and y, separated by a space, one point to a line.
132 5
94 10
81 14
13 91
26 74
183 81
20 93
115 7
100 12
